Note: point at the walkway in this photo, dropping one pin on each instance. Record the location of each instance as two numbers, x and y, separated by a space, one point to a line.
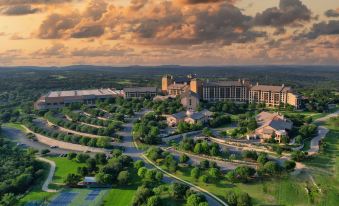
50 174
322 131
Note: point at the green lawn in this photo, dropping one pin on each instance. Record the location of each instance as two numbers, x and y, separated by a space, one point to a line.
325 166
64 167
14 126
119 196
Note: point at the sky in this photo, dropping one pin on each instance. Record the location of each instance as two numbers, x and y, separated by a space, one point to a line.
169 32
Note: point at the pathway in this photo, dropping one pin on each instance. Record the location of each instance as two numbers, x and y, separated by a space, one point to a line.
50 174
322 131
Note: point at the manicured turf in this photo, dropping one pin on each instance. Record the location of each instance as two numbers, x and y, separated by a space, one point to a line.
15 126
64 167
119 197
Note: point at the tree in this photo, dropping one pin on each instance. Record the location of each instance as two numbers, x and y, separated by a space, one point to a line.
195 172
231 198
8 199
289 165
204 178
82 171
214 173
183 158
71 155
141 195
244 173
91 165
243 199
142 171
82 157
103 142
298 156
207 132
178 190
153 201
231 176
158 176
123 177
138 164
195 200
262 158
116 152
198 148
271 168
72 180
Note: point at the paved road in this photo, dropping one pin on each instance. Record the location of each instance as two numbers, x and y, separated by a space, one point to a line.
18 136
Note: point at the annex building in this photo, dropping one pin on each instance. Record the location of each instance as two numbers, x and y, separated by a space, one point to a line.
59 99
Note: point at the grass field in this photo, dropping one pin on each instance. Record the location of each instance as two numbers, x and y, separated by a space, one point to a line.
119 196
64 167
325 166
14 126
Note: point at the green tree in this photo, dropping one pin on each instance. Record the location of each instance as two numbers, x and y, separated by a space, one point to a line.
231 198
123 177
178 190
198 148
195 172
72 180
153 201
183 158
138 164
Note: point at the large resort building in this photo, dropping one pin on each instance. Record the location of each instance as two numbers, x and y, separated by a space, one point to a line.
240 91
59 99
190 90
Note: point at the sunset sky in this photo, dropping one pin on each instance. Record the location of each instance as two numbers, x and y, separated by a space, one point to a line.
158 32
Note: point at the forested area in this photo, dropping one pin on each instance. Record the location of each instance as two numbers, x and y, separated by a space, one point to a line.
18 171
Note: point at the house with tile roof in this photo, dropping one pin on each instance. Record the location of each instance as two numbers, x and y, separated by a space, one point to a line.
272 125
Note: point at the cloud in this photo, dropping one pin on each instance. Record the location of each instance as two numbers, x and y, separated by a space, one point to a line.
57 26
332 13
289 12
57 49
162 23
30 2
18 10
187 2
88 31
322 28
105 50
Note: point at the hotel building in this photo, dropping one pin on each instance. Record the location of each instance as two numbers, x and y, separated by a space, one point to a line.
236 91
274 96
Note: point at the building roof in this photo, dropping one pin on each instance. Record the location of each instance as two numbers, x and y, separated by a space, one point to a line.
196 115
179 115
90 92
181 80
140 89
271 88
224 83
90 180
280 124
